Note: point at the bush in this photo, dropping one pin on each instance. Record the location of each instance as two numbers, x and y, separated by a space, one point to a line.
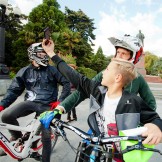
12 74
87 72
160 75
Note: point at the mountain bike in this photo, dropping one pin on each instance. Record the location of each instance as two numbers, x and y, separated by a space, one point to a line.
29 143
102 148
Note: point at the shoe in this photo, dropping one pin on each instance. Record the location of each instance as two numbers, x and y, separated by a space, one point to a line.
36 156
2 153
74 118
68 119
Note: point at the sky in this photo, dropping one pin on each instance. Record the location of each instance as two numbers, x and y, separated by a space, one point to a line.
114 19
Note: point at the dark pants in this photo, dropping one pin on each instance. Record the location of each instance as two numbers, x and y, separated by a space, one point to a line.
73 113
25 108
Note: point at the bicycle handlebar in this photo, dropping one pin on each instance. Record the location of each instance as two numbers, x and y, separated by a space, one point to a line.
60 125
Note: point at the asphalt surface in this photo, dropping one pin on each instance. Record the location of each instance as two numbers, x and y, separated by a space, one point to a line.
62 151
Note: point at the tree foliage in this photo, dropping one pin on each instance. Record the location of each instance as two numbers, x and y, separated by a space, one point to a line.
150 60
78 21
13 25
45 14
157 67
99 61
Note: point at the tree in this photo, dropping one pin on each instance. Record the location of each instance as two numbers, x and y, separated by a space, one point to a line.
157 67
69 40
150 60
78 21
45 14
99 61
13 26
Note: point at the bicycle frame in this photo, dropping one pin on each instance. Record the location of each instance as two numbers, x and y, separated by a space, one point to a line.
10 147
98 142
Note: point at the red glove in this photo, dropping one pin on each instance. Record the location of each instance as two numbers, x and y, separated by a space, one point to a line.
54 104
1 108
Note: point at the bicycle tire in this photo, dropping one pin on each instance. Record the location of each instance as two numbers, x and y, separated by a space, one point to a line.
54 138
39 145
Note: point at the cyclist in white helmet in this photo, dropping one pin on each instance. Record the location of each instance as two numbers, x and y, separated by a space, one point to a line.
128 48
111 107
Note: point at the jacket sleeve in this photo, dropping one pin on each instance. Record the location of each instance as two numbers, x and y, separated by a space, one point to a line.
80 82
148 115
65 85
73 100
98 77
146 94
15 90
140 86
77 97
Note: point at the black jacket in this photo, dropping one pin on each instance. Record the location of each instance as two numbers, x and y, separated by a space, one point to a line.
41 85
131 109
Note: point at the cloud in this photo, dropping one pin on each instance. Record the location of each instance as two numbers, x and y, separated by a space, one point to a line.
145 2
111 25
26 6
160 10
120 1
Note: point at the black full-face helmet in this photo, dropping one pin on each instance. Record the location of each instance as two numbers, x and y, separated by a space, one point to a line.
32 54
130 43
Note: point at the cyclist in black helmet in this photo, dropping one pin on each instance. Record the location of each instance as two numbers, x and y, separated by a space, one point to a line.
40 82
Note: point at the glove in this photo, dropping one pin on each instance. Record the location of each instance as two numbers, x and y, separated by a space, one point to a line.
47 116
1 108
54 104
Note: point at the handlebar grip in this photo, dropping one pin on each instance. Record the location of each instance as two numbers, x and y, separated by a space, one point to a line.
134 132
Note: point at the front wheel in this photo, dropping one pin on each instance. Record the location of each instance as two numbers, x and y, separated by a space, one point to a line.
37 145
54 138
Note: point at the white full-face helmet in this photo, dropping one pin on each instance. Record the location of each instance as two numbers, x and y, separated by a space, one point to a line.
32 54
130 43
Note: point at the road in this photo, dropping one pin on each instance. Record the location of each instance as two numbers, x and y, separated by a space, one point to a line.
62 152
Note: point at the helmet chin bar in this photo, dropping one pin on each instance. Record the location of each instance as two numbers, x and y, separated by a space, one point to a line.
41 61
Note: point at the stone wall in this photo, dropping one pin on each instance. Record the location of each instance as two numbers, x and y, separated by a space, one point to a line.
153 79
141 65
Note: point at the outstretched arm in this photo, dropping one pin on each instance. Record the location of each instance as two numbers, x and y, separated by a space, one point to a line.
15 90
80 82
73 100
77 97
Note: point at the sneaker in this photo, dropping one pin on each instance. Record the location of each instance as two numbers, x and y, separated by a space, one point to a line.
74 118
68 119
36 156
2 153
